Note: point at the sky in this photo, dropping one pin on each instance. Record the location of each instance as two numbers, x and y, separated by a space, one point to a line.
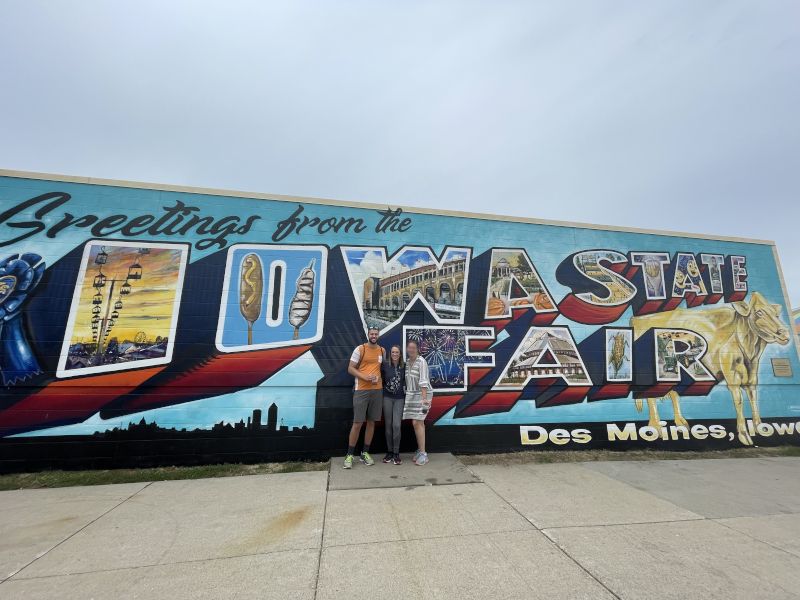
678 115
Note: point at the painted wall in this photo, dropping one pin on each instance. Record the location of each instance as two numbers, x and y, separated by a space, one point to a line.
144 326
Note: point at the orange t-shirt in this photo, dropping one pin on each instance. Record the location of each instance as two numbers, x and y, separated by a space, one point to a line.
368 361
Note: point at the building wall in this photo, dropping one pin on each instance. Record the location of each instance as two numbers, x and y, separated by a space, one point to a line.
146 325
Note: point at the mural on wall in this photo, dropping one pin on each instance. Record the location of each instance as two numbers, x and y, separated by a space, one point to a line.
446 349
384 288
19 276
272 297
718 345
687 277
619 345
546 353
157 315
125 307
513 284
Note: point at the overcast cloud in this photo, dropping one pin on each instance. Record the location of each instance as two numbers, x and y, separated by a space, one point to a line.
665 115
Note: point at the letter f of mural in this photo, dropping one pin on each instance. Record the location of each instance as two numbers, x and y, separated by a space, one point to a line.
19 275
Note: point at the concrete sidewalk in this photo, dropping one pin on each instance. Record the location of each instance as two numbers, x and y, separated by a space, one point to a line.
722 528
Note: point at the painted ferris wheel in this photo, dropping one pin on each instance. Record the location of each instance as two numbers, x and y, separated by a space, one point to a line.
105 309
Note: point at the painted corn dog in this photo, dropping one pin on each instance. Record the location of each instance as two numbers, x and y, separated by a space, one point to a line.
303 300
251 285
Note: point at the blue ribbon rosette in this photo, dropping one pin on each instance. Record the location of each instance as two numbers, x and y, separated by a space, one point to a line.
19 275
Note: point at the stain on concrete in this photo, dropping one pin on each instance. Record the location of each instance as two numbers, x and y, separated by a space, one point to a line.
273 531
46 529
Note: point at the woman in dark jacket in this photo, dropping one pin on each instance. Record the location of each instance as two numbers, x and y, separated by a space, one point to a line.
394 377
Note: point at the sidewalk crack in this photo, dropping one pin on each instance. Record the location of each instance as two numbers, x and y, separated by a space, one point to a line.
555 544
322 535
74 533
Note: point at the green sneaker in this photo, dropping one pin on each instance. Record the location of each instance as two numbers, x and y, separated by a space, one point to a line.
367 459
348 462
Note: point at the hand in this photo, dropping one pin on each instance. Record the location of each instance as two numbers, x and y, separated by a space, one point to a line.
373 378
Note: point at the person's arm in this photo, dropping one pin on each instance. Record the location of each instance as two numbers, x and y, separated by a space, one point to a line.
425 387
353 368
384 374
383 370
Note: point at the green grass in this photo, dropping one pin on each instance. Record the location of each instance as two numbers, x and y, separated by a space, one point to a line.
564 456
52 479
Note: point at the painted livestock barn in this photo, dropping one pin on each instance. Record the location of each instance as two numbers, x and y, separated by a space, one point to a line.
146 324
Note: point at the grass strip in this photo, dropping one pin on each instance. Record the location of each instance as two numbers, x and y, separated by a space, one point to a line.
567 456
52 479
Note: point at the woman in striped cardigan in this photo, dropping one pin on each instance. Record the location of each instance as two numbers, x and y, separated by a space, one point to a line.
419 395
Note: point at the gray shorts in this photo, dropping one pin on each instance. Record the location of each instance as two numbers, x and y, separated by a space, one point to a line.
367 405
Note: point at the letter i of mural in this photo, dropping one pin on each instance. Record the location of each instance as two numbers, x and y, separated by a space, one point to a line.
174 320
271 297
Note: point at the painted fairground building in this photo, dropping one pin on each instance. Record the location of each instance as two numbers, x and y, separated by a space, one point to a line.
147 324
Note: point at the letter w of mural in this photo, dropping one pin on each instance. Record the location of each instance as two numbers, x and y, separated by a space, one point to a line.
385 289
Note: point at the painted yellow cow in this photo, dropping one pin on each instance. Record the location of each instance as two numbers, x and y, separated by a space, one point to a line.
737 336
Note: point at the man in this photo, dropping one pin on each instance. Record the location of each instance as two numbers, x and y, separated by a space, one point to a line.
365 366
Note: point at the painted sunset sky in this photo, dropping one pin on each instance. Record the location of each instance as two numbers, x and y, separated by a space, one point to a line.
147 308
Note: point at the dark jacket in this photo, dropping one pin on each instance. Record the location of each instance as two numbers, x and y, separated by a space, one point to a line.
394 380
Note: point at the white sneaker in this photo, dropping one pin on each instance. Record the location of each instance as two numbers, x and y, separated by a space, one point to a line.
422 458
